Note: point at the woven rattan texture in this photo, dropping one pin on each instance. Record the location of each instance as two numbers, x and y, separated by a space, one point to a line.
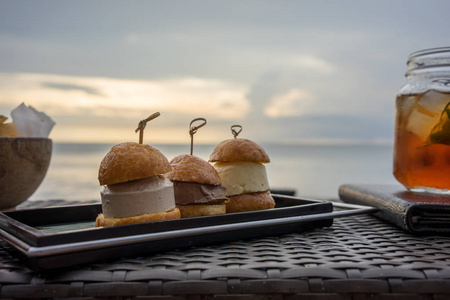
358 257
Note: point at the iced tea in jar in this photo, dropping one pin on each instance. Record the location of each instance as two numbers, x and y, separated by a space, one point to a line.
422 126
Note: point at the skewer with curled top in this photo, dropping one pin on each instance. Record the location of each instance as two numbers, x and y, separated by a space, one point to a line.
193 130
142 125
235 131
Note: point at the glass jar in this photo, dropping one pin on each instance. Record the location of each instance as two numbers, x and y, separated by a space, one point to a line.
422 123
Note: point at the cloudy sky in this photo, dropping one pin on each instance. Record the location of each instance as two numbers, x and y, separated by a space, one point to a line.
287 71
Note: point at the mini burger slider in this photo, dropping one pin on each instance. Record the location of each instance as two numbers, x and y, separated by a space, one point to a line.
135 189
239 163
198 189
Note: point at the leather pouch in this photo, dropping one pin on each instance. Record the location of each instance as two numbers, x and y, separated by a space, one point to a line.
418 213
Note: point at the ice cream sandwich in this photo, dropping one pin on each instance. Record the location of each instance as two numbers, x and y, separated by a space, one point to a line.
239 163
135 189
197 185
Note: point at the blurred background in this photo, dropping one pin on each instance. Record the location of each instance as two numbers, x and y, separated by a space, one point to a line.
314 82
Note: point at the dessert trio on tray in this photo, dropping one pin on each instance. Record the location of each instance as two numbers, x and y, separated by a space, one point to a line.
141 185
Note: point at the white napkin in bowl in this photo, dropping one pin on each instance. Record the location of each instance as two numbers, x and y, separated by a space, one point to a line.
31 123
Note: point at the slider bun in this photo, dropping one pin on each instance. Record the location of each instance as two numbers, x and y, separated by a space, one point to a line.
101 221
250 202
190 168
200 210
131 161
7 129
239 150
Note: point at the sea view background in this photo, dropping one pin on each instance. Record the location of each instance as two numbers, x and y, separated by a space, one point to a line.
313 171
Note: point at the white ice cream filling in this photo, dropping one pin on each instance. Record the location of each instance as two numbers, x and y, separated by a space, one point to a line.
242 177
144 196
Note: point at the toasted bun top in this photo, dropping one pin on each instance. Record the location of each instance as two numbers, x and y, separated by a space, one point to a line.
190 168
131 161
239 150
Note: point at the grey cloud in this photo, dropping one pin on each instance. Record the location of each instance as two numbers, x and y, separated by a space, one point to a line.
263 90
72 87
207 39
326 127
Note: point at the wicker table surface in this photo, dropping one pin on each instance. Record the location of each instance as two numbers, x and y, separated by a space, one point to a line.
359 257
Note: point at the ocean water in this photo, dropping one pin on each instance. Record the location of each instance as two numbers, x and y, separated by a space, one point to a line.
313 171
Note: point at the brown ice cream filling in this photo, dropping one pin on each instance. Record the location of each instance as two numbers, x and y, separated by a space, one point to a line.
188 193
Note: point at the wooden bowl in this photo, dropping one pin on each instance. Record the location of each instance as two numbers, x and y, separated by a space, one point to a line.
23 165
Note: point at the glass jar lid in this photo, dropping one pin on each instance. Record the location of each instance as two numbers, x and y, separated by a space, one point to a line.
429 58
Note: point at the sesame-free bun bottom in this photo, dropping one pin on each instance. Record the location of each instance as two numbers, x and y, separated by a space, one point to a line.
101 221
250 202
200 210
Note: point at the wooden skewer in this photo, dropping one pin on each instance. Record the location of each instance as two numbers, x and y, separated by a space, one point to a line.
142 125
193 130
234 131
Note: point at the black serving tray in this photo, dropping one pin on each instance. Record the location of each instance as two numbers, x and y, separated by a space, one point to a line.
64 236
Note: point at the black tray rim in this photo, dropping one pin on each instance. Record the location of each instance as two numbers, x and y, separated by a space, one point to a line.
33 237
321 219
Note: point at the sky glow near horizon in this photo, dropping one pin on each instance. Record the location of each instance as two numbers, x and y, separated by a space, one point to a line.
287 71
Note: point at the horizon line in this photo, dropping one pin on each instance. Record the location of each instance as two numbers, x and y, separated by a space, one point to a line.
300 142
